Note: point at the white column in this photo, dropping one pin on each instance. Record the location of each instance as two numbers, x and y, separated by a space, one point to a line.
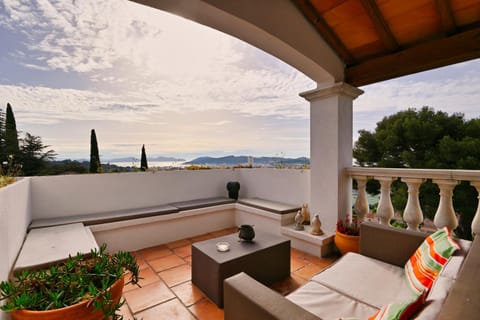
361 204
331 151
385 208
445 215
413 214
476 219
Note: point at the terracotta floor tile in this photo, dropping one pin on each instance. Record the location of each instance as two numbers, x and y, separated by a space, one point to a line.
147 276
188 259
206 310
142 264
288 285
309 271
187 293
168 262
183 251
170 310
148 296
155 252
223 232
323 262
202 237
125 312
178 243
177 275
297 263
294 253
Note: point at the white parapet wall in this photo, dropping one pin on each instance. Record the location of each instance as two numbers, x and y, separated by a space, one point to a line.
59 196
15 216
290 186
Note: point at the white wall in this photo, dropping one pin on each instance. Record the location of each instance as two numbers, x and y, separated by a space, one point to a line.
57 196
290 186
15 216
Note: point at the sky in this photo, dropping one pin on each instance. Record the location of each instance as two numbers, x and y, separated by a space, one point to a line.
142 76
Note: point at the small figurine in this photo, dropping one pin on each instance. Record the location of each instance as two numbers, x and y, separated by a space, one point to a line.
316 226
299 218
306 214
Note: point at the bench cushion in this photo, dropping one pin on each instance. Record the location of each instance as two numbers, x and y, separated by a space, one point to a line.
371 281
201 203
45 246
105 217
272 206
329 304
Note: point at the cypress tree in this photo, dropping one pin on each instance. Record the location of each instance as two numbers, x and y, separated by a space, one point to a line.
95 165
11 134
143 160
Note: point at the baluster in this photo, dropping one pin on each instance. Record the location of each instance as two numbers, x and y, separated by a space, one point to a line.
385 207
361 204
445 215
413 214
476 219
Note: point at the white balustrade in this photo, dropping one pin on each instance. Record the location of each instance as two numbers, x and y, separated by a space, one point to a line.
385 208
476 219
361 204
445 215
446 180
413 214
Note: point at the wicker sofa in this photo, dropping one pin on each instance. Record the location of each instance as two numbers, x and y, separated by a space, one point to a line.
357 285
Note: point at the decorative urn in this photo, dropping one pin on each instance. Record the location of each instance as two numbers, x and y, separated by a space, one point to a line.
246 232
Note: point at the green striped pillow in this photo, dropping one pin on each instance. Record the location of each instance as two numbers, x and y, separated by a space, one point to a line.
400 311
428 260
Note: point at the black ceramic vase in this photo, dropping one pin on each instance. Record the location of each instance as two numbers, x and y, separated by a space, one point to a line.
246 232
233 187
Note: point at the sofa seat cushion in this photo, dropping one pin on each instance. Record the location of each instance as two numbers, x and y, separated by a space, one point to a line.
371 281
329 304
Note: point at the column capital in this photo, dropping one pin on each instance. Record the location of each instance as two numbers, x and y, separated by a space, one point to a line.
339 88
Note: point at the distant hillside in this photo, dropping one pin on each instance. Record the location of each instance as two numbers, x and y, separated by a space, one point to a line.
157 158
242 160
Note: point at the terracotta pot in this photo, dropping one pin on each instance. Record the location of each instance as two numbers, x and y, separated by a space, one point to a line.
346 243
81 310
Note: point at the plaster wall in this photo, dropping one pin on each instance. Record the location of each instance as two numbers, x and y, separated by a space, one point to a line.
15 216
59 196
290 186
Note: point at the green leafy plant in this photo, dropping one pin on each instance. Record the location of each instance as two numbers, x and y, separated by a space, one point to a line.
81 277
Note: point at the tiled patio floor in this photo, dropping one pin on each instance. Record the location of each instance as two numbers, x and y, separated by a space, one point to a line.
167 291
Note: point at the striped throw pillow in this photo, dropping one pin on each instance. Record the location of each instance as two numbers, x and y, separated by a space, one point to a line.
400 311
428 260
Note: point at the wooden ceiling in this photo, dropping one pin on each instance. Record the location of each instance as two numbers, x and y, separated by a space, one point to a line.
383 39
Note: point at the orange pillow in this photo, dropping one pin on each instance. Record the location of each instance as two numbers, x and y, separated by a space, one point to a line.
428 260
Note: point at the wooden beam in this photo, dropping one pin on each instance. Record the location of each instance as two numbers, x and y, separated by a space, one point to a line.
311 13
446 16
436 53
380 25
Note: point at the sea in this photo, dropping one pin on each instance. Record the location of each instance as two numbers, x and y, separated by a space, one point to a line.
152 164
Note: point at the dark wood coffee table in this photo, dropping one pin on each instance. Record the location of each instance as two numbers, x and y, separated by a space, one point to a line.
266 259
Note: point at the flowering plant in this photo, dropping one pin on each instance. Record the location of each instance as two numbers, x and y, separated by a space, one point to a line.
350 227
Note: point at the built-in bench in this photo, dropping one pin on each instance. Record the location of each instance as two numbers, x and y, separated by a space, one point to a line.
268 205
129 214
53 239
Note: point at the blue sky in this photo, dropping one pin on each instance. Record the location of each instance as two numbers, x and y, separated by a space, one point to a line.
141 76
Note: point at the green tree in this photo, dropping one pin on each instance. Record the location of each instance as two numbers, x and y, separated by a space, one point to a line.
32 155
424 139
11 134
143 160
95 165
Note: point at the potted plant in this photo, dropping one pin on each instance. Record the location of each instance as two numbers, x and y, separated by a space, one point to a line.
347 235
83 287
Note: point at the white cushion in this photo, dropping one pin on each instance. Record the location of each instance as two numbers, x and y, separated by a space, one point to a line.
328 304
371 281
435 298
